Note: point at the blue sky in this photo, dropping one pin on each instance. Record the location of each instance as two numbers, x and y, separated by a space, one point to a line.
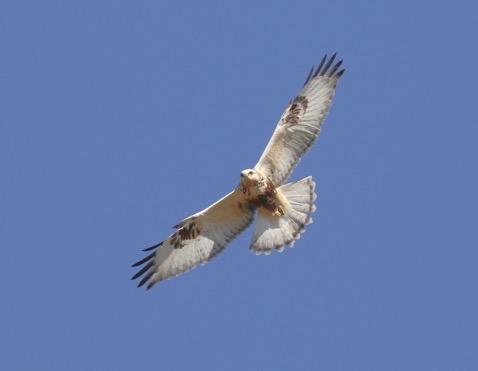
120 118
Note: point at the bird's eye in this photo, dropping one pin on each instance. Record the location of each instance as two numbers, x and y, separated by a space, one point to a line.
250 173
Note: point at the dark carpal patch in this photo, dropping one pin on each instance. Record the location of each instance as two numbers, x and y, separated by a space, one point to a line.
175 241
296 110
187 232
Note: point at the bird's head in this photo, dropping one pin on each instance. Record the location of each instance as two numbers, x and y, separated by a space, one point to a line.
250 177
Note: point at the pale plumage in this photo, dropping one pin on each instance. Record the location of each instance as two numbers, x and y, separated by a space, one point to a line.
274 232
300 123
283 210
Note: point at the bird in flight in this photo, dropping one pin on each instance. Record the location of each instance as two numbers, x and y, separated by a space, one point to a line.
283 210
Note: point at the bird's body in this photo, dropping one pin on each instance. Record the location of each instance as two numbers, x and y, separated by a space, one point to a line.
283 210
260 192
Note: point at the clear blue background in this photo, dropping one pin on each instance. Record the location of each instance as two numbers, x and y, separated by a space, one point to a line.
119 118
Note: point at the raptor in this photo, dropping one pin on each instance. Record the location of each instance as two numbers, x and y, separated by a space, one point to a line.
283 210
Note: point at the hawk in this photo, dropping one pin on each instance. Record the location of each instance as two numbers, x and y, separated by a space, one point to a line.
283 210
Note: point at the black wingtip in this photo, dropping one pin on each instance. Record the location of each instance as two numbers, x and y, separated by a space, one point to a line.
145 279
143 270
153 247
335 68
321 64
327 66
309 75
324 68
144 260
341 72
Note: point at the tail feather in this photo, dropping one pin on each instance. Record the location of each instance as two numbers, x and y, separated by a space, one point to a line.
276 232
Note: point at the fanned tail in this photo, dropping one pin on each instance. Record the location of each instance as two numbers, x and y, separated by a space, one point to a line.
276 232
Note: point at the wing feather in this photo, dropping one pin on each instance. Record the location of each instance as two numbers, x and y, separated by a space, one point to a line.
197 239
300 123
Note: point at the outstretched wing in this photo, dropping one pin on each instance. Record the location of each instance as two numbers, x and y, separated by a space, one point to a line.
300 123
197 239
